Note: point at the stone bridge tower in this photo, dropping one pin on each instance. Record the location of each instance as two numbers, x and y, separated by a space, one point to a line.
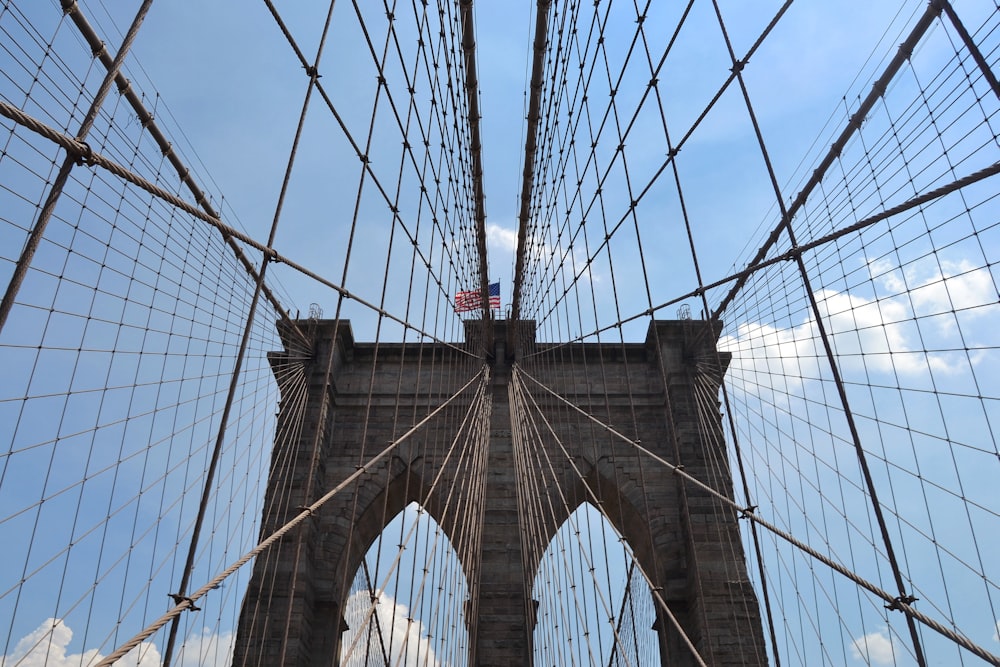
686 540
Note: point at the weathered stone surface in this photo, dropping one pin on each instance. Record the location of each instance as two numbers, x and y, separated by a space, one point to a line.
650 392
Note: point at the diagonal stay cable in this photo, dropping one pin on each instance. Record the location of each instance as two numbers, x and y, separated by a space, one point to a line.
188 602
471 418
791 254
224 418
81 149
70 160
148 122
521 394
895 603
656 593
854 124
360 152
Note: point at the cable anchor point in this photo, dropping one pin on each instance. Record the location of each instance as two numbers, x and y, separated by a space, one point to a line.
897 604
179 599
85 156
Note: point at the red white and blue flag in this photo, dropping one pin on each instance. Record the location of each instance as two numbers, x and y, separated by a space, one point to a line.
471 299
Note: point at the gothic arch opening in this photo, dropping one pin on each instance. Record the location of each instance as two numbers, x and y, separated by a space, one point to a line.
407 601
593 604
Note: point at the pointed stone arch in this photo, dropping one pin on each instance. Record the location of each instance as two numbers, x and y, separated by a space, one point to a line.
591 543
686 540
396 627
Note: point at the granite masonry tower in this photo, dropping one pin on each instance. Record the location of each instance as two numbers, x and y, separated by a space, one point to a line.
686 539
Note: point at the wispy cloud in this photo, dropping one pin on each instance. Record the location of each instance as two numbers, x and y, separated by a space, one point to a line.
389 627
875 331
875 648
48 644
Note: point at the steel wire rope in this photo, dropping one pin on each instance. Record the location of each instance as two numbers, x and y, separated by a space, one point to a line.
834 367
379 64
55 190
551 255
288 431
963 343
413 258
12 112
468 421
647 187
694 652
902 54
884 456
278 502
412 577
612 111
828 127
259 283
694 257
748 513
312 69
138 452
264 544
407 146
149 124
531 490
392 33
474 480
519 391
802 248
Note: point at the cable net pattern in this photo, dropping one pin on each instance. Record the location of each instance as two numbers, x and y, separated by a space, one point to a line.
156 372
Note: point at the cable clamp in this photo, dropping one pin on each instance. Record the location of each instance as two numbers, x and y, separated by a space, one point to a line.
304 508
86 154
312 71
896 605
178 599
747 511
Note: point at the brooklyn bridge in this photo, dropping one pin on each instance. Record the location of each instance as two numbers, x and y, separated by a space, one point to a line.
518 333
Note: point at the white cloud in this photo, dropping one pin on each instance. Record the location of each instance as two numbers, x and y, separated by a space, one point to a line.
875 648
502 241
875 331
405 639
939 288
206 650
46 646
500 238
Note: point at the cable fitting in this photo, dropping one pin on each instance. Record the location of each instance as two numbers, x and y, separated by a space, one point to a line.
748 511
896 605
86 154
178 599
312 72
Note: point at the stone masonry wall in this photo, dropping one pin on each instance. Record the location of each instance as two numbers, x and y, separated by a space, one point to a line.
655 392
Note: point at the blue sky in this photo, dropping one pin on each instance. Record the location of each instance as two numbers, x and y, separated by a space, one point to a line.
910 306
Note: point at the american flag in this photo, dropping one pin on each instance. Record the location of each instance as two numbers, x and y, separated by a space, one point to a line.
469 300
